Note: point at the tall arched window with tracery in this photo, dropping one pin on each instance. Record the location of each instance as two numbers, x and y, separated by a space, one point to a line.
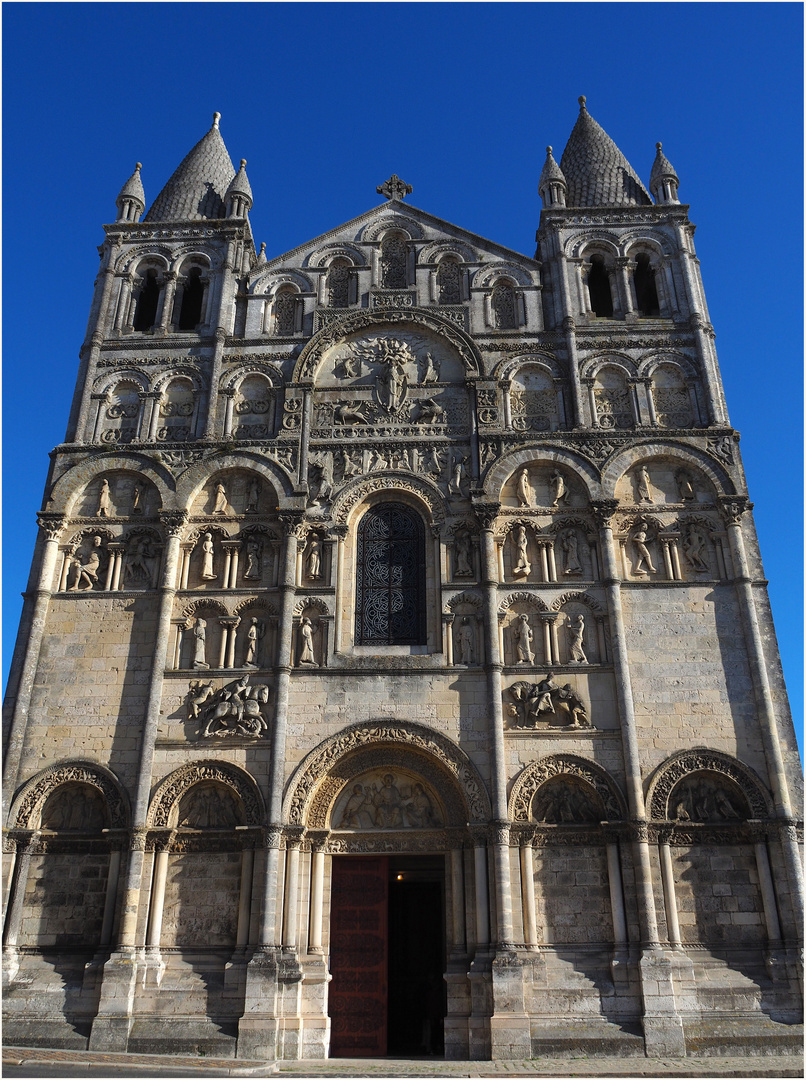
338 284
285 312
502 301
393 262
449 289
390 577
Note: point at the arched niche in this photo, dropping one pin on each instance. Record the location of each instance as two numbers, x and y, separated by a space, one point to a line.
677 781
658 479
416 751
173 796
233 493
118 493
71 777
600 790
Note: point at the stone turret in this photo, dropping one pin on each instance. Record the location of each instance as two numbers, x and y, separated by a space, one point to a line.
663 180
131 201
552 186
238 197
596 171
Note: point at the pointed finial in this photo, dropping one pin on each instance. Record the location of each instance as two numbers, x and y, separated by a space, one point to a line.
138 166
549 149
216 118
243 162
658 145
582 101
262 248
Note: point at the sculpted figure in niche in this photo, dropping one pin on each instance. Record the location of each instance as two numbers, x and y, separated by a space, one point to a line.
78 809
685 486
254 636
576 633
466 641
559 492
103 500
522 567
644 558
391 386
220 506
87 571
563 804
254 552
253 496
307 655
522 635
387 804
208 549
457 476
432 462
313 562
463 556
430 369
704 801
140 562
351 463
524 489
208 808
570 546
200 644
138 491
430 412
694 547
236 710
643 485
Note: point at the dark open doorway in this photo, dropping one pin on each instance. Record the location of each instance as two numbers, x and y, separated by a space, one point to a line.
387 956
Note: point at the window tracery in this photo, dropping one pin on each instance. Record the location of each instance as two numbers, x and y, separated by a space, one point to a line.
390 577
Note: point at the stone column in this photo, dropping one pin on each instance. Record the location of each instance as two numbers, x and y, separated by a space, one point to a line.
223 321
458 943
669 898
767 894
733 507
110 898
504 934
159 881
166 301
79 413
482 896
616 894
663 1029
569 328
528 894
26 657
317 899
447 636
110 1029
290 918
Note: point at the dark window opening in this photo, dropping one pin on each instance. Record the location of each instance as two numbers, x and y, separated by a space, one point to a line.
393 263
390 577
646 293
449 282
286 313
190 313
145 315
338 283
599 289
503 305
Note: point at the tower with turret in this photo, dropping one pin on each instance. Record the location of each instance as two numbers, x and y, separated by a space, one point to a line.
396 674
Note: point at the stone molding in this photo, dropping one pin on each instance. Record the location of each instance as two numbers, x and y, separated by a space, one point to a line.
537 773
701 759
34 794
173 787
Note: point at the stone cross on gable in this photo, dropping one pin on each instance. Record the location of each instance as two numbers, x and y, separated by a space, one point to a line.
394 188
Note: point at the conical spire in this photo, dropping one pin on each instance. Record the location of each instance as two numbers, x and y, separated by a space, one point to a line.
261 258
663 181
238 197
552 187
131 201
197 188
596 171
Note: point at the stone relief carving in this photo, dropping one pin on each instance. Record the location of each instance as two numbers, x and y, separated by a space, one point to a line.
140 569
559 490
546 703
74 808
457 475
174 787
685 485
524 490
41 786
307 654
462 554
715 765
466 642
568 768
86 571
643 485
523 635
643 559
722 447
521 566
703 799
103 500
563 802
220 504
570 547
254 636
209 806
384 801
235 709
313 558
208 556
200 644
695 546
254 558
320 478
576 632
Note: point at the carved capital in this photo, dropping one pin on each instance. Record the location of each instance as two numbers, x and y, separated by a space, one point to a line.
293 525
51 524
486 513
603 511
731 507
174 521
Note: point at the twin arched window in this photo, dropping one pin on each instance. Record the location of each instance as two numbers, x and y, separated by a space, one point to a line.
390 577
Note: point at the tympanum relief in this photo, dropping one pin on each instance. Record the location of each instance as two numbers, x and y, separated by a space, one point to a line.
705 798
386 800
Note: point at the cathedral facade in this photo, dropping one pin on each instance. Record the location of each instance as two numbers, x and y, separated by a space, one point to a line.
396 673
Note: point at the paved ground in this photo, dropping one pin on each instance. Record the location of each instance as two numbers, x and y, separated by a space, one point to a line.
29 1062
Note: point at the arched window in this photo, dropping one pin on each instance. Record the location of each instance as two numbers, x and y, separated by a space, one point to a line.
285 312
190 312
599 289
145 315
390 577
646 292
448 282
502 302
393 262
338 283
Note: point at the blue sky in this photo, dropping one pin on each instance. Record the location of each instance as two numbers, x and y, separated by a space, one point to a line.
327 100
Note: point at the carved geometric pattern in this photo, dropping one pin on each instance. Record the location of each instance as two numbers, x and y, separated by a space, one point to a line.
315 602
39 787
576 598
177 783
349 497
538 772
701 759
318 781
465 598
521 598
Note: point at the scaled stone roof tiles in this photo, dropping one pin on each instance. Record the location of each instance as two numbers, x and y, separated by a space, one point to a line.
596 171
197 188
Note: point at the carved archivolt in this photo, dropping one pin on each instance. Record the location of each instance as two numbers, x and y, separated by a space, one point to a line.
545 454
538 773
684 455
174 786
591 367
34 794
464 598
701 759
354 322
315 602
232 380
353 494
256 602
397 222
512 366
432 252
521 598
324 255
269 281
576 598
490 272
324 772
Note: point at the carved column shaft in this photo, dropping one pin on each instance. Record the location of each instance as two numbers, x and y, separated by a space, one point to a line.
482 896
459 944
223 327
78 419
35 612
528 895
317 899
573 365
291 893
669 897
154 931
616 895
767 894
17 898
110 898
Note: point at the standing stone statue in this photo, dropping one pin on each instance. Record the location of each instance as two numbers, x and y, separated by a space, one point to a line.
253 553
559 492
457 475
576 633
522 635
639 541
570 546
643 485
524 490
307 655
522 567
465 640
314 559
430 369
138 491
253 638
693 549
221 505
200 644
685 485
208 573
253 496
103 500
87 571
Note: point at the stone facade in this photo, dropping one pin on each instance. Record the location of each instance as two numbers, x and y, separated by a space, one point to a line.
401 558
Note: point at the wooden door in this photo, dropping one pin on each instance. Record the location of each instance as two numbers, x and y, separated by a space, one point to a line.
358 956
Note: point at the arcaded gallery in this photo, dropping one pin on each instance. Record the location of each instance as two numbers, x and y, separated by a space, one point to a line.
396 674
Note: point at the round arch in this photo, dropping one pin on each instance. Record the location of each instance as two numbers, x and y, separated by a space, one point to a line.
702 759
34 793
645 450
545 453
536 773
171 789
70 486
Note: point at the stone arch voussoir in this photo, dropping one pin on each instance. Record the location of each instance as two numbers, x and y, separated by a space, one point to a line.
537 773
701 759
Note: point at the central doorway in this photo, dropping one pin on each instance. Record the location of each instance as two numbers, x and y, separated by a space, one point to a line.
387 956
